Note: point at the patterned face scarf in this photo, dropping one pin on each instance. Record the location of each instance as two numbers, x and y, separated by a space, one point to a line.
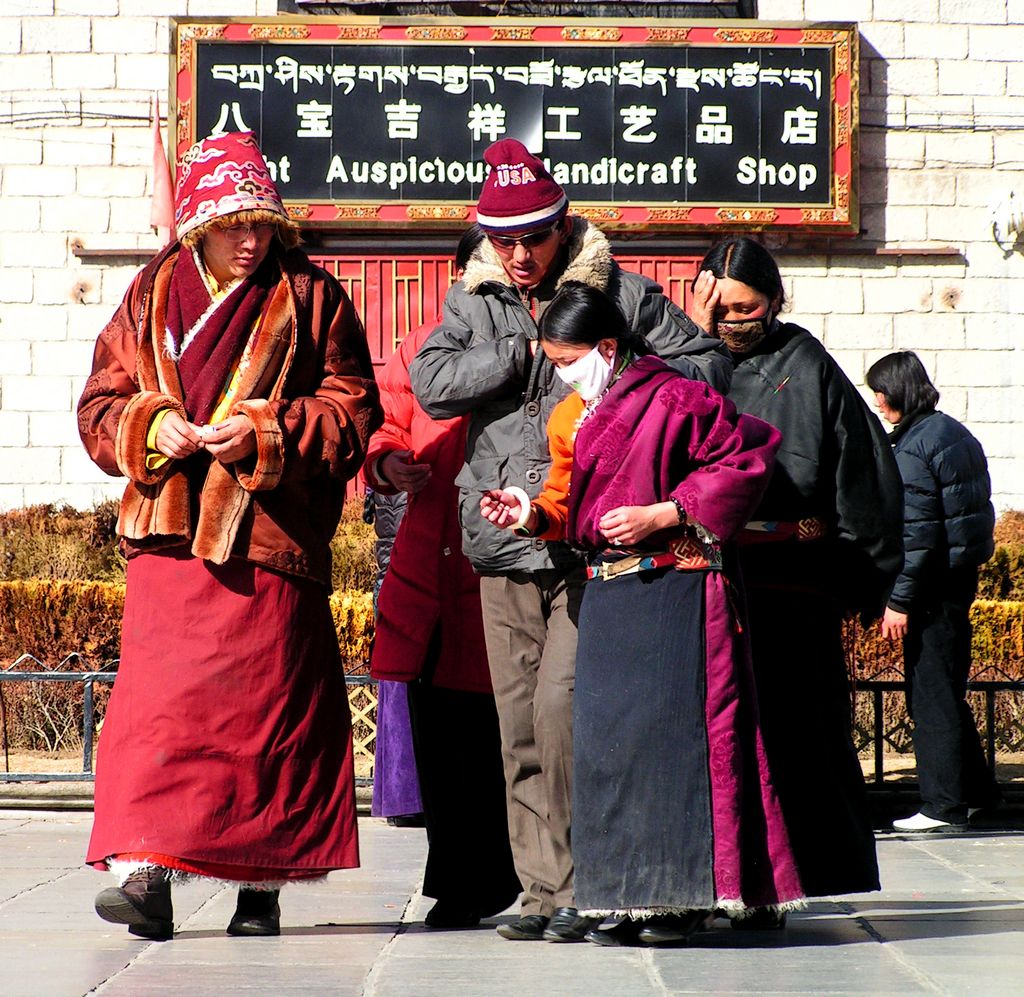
742 337
206 338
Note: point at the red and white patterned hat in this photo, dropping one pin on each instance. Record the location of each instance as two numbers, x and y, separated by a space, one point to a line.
221 175
518 193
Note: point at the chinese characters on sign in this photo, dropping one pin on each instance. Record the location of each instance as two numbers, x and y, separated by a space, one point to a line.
656 125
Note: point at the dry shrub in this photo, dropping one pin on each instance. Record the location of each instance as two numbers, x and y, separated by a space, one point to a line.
1010 528
997 654
353 564
53 619
353 619
57 541
1002 577
61 600
66 626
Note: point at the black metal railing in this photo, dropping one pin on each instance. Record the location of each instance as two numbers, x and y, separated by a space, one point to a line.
106 676
988 687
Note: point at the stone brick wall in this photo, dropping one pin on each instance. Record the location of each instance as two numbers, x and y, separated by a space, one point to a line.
76 81
942 108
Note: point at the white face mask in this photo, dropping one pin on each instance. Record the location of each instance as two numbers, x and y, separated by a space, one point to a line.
589 375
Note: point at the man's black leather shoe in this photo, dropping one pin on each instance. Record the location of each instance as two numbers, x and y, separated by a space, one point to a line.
670 929
527 929
624 933
566 925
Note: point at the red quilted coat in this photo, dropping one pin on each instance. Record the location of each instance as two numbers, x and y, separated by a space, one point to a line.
429 584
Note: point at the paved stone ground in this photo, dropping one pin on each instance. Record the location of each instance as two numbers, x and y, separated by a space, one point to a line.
949 921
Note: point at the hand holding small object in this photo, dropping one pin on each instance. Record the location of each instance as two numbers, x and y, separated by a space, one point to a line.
501 508
177 437
405 476
230 440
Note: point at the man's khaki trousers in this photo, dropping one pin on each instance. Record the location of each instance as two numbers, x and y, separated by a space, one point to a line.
530 628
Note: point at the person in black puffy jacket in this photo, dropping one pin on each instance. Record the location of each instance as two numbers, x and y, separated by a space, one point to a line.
947 535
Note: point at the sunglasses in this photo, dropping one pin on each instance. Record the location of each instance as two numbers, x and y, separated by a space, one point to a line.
531 240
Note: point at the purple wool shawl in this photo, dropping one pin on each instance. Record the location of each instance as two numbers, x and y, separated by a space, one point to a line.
656 435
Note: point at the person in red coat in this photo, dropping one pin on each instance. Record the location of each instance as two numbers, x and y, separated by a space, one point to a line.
429 634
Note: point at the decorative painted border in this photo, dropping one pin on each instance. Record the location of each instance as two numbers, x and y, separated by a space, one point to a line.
279 32
438 212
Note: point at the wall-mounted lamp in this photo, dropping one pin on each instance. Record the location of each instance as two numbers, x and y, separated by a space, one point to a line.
1008 220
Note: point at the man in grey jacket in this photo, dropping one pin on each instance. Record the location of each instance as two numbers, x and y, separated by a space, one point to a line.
483 359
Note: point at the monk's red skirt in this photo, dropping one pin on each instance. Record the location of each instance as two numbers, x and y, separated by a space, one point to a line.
227 744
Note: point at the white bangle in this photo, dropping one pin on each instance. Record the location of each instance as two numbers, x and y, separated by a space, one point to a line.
525 506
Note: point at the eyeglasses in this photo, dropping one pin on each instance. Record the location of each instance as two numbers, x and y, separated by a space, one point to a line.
239 233
531 240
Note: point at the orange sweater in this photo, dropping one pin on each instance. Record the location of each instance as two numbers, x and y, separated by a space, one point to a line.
554 497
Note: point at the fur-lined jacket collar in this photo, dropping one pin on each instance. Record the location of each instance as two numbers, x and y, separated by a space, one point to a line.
589 258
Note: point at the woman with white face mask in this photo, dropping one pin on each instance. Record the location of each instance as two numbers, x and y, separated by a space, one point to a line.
652 474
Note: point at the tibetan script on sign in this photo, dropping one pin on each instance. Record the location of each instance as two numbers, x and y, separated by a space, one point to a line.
665 134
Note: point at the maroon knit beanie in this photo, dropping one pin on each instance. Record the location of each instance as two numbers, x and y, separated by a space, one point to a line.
518 193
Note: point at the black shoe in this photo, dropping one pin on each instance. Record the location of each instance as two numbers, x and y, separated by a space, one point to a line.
447 915
626 932
566 925
527 929
143 902
408 820
670 929
257 913
762 919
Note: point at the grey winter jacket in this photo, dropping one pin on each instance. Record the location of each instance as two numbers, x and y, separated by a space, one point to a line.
948 515
478 361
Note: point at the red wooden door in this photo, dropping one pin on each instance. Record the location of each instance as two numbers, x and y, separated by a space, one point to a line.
394 294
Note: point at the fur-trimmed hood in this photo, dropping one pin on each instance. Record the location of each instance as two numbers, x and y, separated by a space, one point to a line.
589 261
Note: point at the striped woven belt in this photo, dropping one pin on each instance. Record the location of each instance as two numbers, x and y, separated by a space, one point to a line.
767 530
685 554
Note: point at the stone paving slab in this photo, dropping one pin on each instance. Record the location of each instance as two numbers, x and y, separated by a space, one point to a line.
949 921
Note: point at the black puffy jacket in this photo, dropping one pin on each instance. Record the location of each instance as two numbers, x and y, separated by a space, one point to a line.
948 513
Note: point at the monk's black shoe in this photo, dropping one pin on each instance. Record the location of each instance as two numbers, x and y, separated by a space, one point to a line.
257 914
527 929
143 902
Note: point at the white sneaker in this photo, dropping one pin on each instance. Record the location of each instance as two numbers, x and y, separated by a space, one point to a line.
920 823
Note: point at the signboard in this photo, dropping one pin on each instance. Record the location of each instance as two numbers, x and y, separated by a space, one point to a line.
647 124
